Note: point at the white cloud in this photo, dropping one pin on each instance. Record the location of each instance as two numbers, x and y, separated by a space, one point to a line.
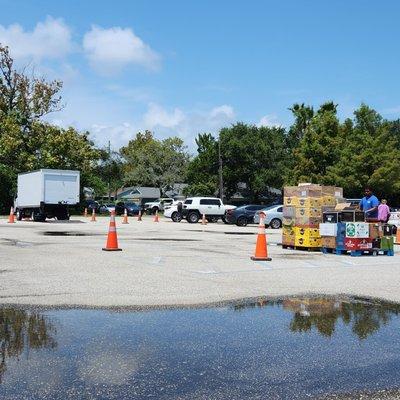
110 50
269 120
49 39
224 111
158 116
118 135
186 124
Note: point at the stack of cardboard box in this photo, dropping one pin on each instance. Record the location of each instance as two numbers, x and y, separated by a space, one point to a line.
356 236
302 213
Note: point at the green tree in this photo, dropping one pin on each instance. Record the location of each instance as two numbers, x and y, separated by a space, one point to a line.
303 115
318 148
152 162
203 169
369 155
253 156
26 98
27 143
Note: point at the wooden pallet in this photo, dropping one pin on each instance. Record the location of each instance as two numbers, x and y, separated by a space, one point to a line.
357 253
301 248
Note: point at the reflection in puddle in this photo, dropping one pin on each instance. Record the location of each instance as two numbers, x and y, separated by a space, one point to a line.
294 348
21 331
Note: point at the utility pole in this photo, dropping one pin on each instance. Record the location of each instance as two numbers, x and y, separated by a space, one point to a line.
221 180
109 171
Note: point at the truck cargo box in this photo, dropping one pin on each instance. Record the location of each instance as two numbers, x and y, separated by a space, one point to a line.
48 186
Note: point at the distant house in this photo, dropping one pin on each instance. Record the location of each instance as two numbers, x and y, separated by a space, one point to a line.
176 190
138 194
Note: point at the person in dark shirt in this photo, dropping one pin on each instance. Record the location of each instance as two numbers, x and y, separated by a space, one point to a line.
369 204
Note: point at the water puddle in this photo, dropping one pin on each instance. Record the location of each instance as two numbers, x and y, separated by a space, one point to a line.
65 233
165 239
294 348
223 233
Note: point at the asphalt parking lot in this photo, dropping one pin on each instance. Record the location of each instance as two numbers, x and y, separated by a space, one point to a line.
171 264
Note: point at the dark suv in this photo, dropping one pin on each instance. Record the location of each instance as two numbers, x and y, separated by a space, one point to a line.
131 208
243 215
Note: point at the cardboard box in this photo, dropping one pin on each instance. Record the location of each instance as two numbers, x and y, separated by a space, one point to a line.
329 242
288 230
302 241
308 212
358 244
288 240
309 202
289 211
328 229
310 191
375 231
358 230
328 201
291 191
288 221
290 201
334 191
307 222
307 232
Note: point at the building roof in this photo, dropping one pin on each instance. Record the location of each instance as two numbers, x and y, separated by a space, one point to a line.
139 192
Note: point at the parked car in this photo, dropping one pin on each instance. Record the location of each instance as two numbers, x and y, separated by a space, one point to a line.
274 216
171 211
152 206
106 208
241 216
212 207
131 208
92 205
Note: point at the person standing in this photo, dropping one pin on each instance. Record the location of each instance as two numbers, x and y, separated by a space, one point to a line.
383 211
369 204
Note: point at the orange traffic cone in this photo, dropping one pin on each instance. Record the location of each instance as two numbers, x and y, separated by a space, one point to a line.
112 240
261 253
125 219
156 218
93 216
203 220
11 218
139 217
85 213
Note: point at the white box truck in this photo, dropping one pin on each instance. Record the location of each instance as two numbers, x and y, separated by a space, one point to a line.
47 193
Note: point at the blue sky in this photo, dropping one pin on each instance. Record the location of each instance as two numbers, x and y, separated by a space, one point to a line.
184 67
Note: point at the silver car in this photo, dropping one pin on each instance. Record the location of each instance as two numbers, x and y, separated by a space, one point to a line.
274 216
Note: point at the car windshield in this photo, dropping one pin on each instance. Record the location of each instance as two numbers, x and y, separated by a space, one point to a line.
131 204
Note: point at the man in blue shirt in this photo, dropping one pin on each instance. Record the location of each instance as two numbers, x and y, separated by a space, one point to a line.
369 204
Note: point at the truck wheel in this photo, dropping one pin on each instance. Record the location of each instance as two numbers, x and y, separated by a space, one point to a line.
275 223
224 219
193 218
19 215
176 217
39 217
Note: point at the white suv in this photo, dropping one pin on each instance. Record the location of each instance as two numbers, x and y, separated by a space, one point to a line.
211 207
